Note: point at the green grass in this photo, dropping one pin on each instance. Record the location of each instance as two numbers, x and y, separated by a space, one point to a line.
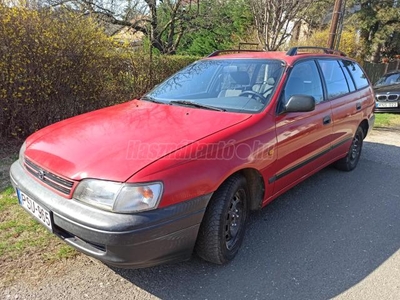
64 251
6 199
387 120
23 241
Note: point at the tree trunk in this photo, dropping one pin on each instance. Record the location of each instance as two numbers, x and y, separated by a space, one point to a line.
376 52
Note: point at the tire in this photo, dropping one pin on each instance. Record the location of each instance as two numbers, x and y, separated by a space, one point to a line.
350 161
222 229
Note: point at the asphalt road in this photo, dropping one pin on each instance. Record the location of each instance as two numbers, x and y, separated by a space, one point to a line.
337 235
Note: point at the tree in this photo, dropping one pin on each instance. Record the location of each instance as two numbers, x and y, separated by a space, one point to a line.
169 21
225 25
274 20
163 21
379 23
318 15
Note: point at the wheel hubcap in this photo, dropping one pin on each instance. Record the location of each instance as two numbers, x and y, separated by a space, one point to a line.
234 219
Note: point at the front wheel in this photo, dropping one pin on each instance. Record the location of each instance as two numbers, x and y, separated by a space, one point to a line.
350 161
222 229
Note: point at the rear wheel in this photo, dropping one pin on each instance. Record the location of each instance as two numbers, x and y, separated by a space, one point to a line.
350 161
222 229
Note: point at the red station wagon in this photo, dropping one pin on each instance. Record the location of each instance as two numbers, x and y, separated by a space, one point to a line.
152 180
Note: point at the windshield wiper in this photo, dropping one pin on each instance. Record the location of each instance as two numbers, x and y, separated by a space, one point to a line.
152 99
195 104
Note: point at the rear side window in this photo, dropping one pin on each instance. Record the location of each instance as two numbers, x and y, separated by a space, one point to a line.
360 79
336 84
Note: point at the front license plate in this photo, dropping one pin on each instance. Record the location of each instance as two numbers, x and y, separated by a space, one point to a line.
40 213
387 104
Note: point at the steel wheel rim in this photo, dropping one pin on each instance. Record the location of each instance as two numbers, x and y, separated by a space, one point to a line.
234 219
355 148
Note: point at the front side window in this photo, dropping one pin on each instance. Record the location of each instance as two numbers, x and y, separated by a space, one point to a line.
336 84
239 85
304 79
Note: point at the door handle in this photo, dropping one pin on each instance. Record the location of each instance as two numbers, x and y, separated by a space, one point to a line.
326 120
358 105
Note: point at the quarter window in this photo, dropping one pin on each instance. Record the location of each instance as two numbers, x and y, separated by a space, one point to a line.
357 73
336 83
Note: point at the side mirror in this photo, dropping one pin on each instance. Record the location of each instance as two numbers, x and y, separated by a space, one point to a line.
300 103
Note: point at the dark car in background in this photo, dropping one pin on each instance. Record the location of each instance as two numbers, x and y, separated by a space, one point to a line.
387 92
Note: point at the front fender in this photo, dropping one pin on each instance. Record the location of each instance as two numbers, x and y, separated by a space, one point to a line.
200 168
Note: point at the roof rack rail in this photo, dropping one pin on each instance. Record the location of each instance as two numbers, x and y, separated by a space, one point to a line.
294 50
218 52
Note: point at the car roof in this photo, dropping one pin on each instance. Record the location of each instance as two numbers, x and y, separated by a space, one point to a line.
289 57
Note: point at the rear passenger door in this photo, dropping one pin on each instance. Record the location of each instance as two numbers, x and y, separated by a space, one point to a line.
346 100
304 138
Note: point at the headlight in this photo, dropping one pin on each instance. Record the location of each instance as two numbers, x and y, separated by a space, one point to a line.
22 153
119 197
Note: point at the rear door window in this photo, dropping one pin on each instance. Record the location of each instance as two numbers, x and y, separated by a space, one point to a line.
336 84
349 79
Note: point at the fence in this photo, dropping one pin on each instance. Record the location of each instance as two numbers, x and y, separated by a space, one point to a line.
376 70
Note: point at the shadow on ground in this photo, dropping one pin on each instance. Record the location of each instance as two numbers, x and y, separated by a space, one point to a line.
315 242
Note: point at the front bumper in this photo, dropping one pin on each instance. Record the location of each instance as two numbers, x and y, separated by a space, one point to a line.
123 240
388 110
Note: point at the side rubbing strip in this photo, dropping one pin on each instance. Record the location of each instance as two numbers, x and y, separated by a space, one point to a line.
307 161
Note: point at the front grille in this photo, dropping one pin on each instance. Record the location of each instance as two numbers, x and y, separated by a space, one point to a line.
390 97
58 183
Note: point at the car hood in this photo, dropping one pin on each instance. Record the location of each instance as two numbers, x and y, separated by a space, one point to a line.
116 142
387 88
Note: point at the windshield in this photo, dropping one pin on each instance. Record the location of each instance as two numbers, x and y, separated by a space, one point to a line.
240 85
388 79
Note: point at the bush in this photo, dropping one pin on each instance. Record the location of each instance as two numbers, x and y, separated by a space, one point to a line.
57 64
